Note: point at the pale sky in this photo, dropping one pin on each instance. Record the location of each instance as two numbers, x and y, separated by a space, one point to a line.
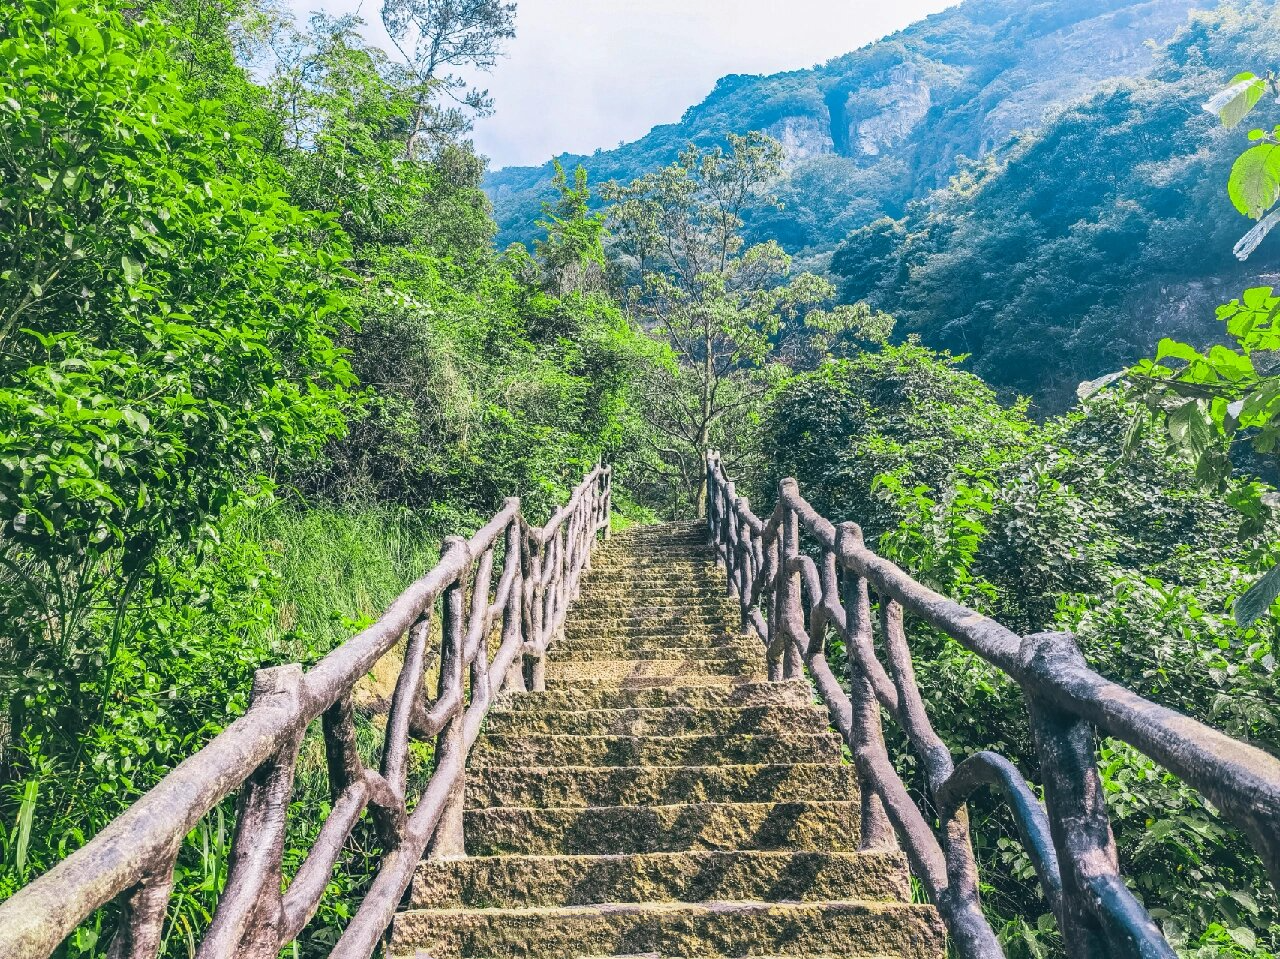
583 74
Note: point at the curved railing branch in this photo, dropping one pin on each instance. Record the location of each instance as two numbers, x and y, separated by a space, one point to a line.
133 859
792 600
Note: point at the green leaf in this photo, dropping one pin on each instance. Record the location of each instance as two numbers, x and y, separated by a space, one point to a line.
1254 184
1178 351
132 269
1254 604
1190 427
135 419
1235 102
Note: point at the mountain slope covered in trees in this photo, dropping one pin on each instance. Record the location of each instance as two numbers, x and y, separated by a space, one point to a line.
870 131
1070 256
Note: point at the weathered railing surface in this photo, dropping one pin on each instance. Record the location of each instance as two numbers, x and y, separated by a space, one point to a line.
133 859
792 600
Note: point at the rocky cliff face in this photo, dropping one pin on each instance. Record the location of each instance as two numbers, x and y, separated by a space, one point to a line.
872 130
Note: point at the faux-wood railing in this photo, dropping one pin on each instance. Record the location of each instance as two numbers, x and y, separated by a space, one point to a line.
792 600
133 858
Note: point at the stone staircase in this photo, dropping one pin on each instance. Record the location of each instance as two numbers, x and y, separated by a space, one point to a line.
661 798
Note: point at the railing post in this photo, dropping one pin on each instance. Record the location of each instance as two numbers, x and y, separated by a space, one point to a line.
537 608
709 471
513 616
140 933
607 506
1081 829
789 584
450 745
868 734
728 536
247 921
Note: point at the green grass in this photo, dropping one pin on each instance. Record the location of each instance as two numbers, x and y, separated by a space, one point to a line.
339 567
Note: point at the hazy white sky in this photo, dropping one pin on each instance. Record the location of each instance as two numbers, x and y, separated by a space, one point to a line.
583 74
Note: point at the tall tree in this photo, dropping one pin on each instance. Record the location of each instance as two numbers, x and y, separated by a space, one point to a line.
437 38
571 257
730 313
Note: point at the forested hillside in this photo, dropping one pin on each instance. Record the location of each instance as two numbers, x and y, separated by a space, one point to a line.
868 132
1070 255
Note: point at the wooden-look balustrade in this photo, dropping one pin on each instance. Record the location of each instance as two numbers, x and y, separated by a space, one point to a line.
800 578
132 860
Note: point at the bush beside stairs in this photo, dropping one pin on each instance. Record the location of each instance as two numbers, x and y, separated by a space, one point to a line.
661 798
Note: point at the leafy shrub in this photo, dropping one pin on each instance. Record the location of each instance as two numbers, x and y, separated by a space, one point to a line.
1072 524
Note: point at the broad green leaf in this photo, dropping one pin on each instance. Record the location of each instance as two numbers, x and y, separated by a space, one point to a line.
1235 102
132 269
1191 428
1254 184
1170 348
1254 604
136 419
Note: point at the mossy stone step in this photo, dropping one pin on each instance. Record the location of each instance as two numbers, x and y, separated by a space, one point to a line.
809 826
486 882
661 604
613 627
670 721
624 646
542 749
728 650
760 692
626 671
577 786
673 929
676 615
655 680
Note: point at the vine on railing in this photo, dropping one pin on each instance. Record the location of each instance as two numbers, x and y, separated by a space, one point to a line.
132 860
792 601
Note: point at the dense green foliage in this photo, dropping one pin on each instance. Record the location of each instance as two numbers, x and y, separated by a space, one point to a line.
227 305
167 322
1060 525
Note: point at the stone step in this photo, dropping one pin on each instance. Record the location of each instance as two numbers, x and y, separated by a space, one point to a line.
608 628
737 652
578 786
702 573
586 628
674 615
672 721
486 882
700 604
629 682
660 604
628 671
649 593
522 830
673 929
653 556
626 647
794 692
686 589
661 567
541 749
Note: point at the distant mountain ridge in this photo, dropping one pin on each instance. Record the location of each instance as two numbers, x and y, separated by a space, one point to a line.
870 131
